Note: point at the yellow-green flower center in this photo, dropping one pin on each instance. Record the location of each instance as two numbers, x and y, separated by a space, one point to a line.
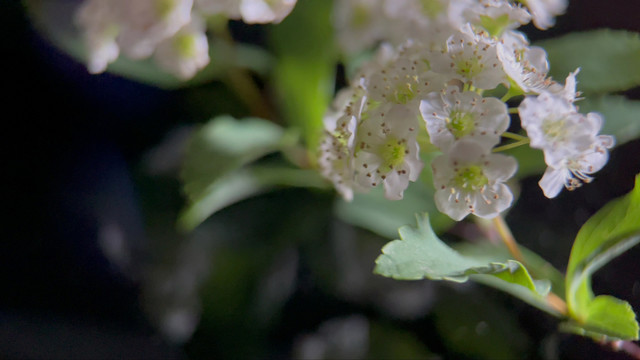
554 129
432 8
460 123
360 17
185 45
470 178
164 7
469 68
392 152
404 93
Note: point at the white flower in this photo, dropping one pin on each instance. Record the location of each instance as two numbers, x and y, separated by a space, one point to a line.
186 52
497 16
572 171
544 11
336 154
250 11
451 115
470 180
337 150
265 11
229 8
145 23
471 59
358 24
99 23
402 81
527 67
554 125
386 150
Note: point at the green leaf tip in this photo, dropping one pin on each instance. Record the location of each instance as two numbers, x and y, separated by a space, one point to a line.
610 232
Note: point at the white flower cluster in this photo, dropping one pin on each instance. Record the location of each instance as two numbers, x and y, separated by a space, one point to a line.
362 23
172 31
437 78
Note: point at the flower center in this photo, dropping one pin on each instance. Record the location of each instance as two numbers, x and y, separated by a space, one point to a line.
470 178
469 67
392 152
404 93
164 7
185 45
554 129
460 123
360 17
432 8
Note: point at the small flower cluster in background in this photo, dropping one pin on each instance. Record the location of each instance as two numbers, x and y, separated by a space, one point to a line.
172 31
440 60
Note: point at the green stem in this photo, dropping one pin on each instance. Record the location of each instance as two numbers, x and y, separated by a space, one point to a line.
241 81
513 110
511 146
514 136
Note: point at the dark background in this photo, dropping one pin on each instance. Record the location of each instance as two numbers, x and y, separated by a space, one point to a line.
76 167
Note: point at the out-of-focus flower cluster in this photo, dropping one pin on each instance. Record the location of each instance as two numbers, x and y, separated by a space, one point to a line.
439 59
172 31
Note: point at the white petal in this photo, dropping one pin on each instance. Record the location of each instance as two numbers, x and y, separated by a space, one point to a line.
553 181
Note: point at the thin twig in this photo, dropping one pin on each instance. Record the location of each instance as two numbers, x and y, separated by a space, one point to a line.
241 81
507 238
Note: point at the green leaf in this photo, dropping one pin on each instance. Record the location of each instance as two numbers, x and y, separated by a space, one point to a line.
621 115
610 232
608 58
607 318
215 153
304 73
420 254
223 145
536 265
240 185
374 212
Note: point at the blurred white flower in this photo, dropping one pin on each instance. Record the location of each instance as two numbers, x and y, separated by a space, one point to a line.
185 53
545 11
470 180
250 11
100 25
451 115
496 16
145 23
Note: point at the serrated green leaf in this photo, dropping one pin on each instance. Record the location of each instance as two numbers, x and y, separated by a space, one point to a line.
608 58
610 232
421 255
536 265
621 115
304 74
